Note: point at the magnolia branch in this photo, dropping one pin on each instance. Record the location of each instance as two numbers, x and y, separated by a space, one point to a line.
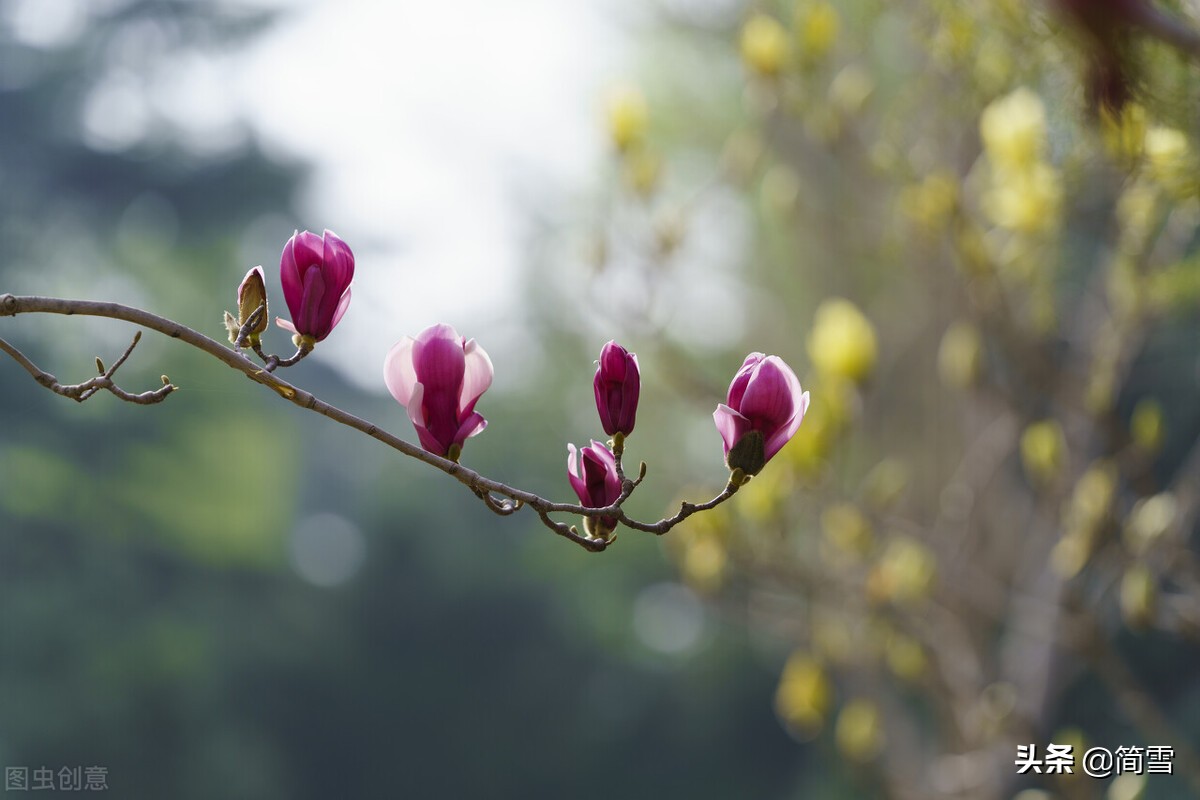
498 497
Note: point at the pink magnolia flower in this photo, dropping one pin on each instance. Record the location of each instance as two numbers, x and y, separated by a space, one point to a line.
439 377
618 383
763 410
596 484
316 272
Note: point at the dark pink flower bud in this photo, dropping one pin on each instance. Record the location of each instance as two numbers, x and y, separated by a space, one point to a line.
316 272
763 410
596 483
618 383
438 377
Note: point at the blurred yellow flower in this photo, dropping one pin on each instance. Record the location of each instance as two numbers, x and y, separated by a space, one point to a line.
885 484
1170 160
842 341
931 202
1014 130
846 529
960 355
1139 596
628 116
1149 521
905 657
804 695
859 730
1025 200
1147 426
905 571
1043 450
1124 131
816 28
764 45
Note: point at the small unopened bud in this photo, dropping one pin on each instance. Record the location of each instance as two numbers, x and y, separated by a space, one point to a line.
99 366
252 295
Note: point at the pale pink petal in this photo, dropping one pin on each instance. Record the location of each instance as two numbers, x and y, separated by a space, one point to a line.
477 377
416 406
398 372
730 424
286 325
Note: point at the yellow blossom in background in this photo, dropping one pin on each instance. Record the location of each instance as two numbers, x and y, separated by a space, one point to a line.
1043 450
846 530
628 116
1170 161
931 202
817 26
905 656
764 45
1091 498
1147 426
641 169
1024 200
859 730
804 695
832 637
1129 786
842 341
905 571
850 88
760 499
1139 596
1149 521
1124 132
960 355
701 549
886 483
1013 129
1070 554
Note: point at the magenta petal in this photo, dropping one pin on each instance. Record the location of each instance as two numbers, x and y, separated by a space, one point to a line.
770 397
289 275
431 442
477 376
730 424
472 425
398 373
439 360
600 387
343 304
573 474
737 387
308 316
338 260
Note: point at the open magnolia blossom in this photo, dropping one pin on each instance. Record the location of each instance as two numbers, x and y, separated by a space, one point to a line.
762 411
316 272
438 376
617 385
596 483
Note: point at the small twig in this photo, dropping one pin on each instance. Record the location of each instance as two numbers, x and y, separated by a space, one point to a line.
82 391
